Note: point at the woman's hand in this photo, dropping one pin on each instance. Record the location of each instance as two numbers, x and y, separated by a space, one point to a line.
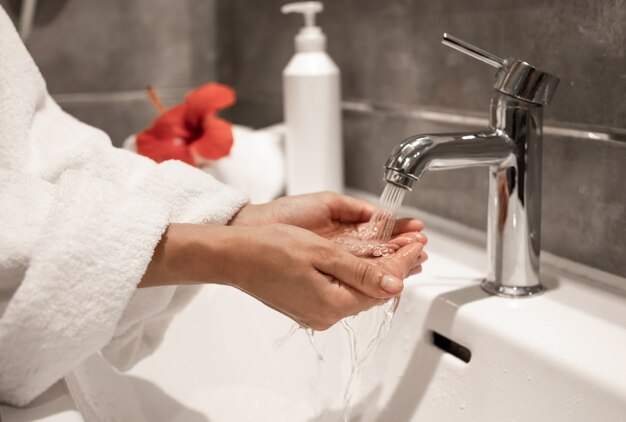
292 270
326 213
319 212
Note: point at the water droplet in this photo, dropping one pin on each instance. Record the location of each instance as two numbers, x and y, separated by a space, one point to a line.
282 340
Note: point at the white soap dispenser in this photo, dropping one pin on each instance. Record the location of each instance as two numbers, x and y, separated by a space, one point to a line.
312 110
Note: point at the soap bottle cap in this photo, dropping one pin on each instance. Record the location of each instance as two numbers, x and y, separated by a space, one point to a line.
310 37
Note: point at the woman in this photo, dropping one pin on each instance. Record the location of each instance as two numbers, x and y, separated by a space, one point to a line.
84 225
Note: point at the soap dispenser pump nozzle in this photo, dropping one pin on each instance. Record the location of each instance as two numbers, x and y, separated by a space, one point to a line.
310 37
308 8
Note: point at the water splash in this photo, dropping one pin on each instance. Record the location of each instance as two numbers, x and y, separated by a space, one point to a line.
280 342
311 335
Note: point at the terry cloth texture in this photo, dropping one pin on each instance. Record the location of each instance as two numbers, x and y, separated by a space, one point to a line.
79 221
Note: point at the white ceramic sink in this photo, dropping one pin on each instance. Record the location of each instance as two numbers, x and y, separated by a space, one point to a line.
560 356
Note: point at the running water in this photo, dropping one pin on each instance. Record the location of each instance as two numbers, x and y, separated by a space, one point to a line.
382 222
370 239
367 329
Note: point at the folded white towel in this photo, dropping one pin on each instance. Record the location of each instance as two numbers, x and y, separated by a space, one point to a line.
79 221
255 165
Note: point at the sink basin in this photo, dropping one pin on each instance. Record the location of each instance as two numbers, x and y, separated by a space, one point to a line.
453 354
559 356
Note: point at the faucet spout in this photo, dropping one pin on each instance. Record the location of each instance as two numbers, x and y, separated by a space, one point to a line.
416 154
511 149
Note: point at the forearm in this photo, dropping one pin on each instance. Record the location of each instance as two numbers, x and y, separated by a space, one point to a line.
188 254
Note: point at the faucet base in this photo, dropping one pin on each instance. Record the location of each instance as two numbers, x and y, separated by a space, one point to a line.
510 291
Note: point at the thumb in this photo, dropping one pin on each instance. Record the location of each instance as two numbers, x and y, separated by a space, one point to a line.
369 278
399 266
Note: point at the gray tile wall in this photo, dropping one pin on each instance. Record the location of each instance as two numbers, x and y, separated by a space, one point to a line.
98 56
100 47
394 68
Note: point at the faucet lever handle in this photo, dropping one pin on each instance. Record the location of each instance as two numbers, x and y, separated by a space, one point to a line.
472 51
515 77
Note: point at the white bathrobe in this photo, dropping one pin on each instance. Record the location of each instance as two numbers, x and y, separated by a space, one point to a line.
79 220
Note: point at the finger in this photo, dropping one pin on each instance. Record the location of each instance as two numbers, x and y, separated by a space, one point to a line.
418 266
337 301
349 301
405 259
366 277
350 210
416 270
404 225
407 238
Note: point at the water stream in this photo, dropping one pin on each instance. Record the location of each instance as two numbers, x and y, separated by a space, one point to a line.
366 329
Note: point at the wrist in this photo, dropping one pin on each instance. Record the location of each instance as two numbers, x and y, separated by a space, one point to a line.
256 215
191 254
245 216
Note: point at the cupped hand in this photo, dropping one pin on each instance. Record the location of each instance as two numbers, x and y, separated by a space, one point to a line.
313 280
295 271
327 214
286 254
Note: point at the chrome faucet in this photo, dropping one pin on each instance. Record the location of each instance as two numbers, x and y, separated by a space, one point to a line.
511 148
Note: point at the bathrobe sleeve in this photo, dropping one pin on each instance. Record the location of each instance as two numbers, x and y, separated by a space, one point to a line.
79 221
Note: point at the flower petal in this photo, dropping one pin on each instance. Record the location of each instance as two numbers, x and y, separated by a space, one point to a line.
216 140
208 99
163 149
170 123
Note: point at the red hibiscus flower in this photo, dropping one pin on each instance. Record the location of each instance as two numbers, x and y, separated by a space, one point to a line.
191 130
